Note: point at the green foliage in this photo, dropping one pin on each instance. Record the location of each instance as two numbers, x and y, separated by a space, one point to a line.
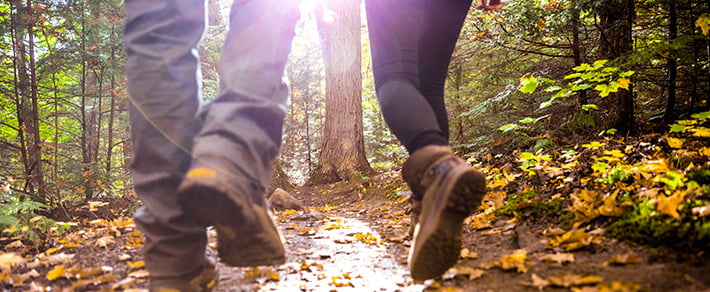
698 125
643 224
19 218
530 161
603 79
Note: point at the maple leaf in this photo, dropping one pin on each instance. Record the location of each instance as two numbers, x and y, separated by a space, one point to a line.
669 204
517 260
105 241
572 240
674 142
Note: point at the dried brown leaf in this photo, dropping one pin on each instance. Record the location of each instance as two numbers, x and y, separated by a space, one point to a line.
559 258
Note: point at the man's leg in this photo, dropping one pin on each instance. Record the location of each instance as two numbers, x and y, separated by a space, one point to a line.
161 38
241 133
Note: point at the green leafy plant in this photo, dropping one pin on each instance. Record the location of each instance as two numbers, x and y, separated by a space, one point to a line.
19 218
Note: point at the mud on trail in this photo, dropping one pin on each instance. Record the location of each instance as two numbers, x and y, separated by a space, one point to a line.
353 237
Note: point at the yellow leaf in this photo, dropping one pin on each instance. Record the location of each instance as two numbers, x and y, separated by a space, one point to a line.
517 260
674 142
466 254
701 132
624 83
703 23
624 259
705 151
136 265
573 280
56 273
669 205
202 172
572 240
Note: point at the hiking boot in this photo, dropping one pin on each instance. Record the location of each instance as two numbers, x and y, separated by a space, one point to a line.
414 210
450 190
246 233
204 281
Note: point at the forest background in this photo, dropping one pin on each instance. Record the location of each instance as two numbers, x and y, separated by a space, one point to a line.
538 78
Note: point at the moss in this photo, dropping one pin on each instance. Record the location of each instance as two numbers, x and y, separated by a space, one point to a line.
529 206
643 225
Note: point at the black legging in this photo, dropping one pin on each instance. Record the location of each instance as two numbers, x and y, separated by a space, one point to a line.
412 42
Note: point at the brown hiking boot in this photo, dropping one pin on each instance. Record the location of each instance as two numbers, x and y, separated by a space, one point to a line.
246 233
204 281
451 191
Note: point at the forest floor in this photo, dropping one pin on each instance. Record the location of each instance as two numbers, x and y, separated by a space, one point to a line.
353 238
620 214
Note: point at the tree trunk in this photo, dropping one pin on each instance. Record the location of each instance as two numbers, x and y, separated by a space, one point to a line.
28 112
615 22
672 63
342 154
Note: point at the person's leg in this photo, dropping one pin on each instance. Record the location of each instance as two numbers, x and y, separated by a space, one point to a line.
443 21
241 133
445 188
395 29
161 38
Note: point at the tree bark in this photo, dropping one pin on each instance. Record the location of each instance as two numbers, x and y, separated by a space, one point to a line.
342 154
28 112
616 20
672 64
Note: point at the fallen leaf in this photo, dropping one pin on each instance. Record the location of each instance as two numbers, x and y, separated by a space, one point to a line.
471 273
105 241
15 244
466 254
140 274
624 259
56 273
674 142
56 259
669 204
8 260
537 282
136 265
559 258
517 260
572 240
569 280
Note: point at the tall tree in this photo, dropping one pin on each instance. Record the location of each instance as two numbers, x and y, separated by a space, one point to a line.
616 18
23 20
342 153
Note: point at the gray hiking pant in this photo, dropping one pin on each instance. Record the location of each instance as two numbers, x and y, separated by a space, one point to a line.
243 124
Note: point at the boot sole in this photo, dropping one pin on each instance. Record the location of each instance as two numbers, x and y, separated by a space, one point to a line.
245 238
438 239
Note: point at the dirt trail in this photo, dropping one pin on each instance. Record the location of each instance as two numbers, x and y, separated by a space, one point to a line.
352 237
329 253
330 249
